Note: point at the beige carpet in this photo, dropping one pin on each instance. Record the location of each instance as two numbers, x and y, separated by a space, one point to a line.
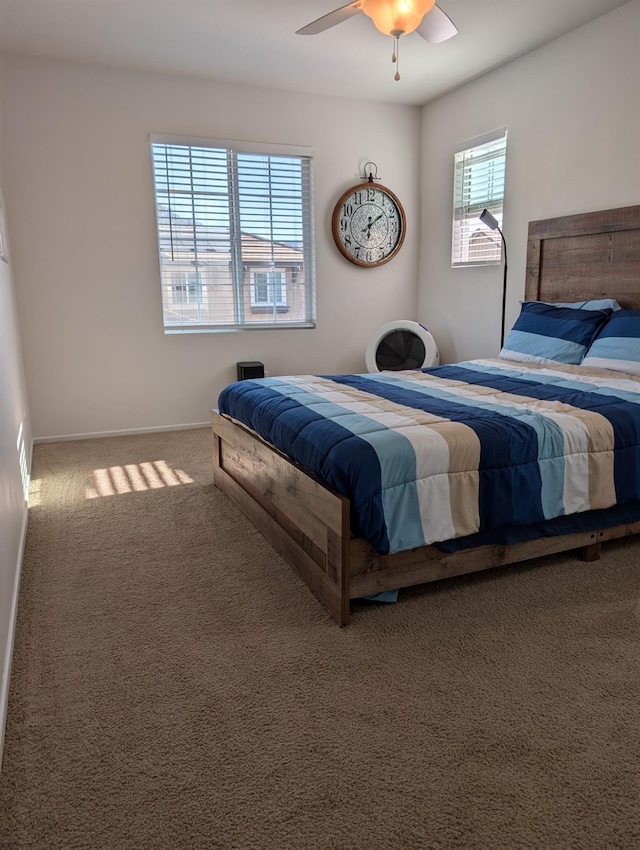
176 686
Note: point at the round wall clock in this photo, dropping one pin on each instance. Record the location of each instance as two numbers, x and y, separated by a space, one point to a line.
369 224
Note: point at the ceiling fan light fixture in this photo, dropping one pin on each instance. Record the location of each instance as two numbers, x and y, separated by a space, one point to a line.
397 17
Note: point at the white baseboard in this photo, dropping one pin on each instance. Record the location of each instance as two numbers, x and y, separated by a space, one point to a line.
95 434
6 665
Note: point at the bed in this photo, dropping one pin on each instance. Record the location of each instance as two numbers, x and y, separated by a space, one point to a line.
311 524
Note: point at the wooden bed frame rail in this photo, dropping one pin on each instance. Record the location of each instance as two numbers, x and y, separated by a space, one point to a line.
306 522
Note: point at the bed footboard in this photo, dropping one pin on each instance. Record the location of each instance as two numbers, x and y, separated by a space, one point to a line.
308 524
303 519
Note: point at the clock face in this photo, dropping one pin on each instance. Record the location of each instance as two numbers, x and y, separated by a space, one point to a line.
368 225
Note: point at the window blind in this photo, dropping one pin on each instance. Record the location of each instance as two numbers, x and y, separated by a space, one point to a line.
479 177
225 213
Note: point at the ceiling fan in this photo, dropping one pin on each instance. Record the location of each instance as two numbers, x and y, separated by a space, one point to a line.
394 18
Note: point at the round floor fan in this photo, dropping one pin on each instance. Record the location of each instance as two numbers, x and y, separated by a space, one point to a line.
401 345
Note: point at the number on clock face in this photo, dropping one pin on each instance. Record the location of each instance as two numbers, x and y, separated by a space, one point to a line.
368 225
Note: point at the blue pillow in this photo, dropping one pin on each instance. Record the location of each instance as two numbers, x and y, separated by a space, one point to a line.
617 346
545 332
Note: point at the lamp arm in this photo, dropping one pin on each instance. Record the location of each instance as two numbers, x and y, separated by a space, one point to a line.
504 287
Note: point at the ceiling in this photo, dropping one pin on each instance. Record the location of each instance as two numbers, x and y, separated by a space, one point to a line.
254 41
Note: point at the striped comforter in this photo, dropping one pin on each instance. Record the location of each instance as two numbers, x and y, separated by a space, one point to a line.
441 454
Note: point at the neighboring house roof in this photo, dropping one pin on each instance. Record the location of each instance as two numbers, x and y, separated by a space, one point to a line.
177 238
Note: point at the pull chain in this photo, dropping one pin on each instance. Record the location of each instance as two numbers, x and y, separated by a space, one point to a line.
394 56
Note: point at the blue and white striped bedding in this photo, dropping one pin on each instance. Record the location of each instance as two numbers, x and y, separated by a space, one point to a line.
436 455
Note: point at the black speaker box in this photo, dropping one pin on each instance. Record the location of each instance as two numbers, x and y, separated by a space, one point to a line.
250 369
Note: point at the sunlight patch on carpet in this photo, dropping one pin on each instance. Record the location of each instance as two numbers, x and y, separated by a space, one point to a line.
24 465
35 492
135 478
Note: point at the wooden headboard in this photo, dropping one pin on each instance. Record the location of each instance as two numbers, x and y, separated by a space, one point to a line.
591 255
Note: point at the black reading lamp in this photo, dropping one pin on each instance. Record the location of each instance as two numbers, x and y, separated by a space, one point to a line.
490 221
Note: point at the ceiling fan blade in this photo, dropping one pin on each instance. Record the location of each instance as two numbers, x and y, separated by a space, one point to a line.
436 26
331 19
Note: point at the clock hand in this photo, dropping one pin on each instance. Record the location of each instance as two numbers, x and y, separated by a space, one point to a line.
371 222
370 225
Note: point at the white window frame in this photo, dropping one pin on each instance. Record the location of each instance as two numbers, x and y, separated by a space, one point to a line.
301 213
479 181
185 289
280 301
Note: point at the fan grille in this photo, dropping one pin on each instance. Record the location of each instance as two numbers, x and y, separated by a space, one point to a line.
400 349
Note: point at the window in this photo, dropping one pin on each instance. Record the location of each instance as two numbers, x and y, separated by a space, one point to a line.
185 288
478 184
268 289
235 234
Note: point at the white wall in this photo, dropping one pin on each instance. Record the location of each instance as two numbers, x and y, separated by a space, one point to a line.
79 185
15 436
572 112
